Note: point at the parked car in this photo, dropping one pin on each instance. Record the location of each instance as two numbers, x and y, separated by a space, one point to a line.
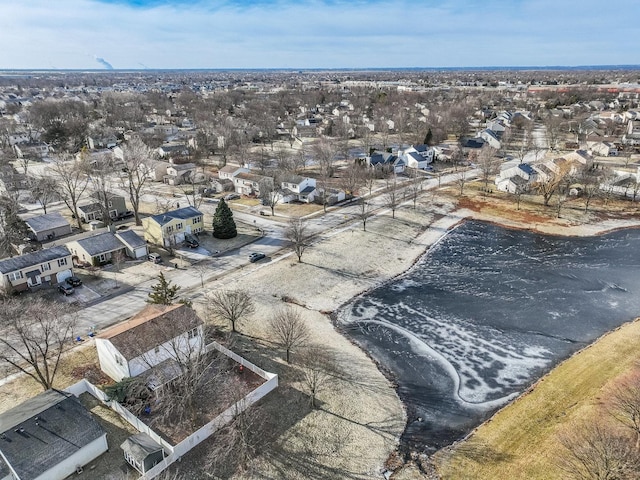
125 214
191 241
74 281
154 257
264 213
232 196
66 289
255 256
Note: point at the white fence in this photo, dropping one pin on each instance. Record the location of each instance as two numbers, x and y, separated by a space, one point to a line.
175 452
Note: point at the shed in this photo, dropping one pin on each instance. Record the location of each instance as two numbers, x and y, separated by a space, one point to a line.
142 452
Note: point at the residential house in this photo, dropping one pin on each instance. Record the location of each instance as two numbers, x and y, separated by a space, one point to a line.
516 179
417 156
490 137
297 188
230 171
135 247
142 452
179 173
603 149
49 266
112 203
250 183
158 171
49 437
155 335
382 160
173 150
107 141
96 249
32 150
168 229
47 227
632 134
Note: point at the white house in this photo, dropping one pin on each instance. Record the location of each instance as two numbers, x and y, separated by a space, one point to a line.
155 335
48 437
490 137
516 179
298 188
230 171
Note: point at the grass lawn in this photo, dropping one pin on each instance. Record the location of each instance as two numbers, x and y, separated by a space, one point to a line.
519 441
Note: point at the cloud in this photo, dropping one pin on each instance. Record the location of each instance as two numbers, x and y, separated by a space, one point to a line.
316 33
103 62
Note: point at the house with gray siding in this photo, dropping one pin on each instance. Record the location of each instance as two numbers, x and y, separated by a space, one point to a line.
47 227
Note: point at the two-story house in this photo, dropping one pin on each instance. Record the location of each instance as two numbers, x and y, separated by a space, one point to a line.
168 229
155 335
250 183
298 188
179 173
48 266
110 203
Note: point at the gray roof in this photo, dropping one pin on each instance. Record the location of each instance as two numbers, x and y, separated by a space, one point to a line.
140 446
34 258
526 168
45 430
102 243
92 207
131 238
49 221
181 213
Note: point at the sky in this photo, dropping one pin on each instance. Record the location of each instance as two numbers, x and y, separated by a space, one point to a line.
299 34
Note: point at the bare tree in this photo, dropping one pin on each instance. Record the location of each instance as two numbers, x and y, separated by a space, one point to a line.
623 403
548 186
351 179
365 213
71 183
100 181
230 305
297 233
392 195
118 259
135 174
44 190
594 451
318 369
270 193
590 178
289 329
34 337
489 164
461 180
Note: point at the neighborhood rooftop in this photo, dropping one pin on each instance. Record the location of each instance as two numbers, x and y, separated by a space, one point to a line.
46 222
101 243
181 213
43 431
152 326
33 258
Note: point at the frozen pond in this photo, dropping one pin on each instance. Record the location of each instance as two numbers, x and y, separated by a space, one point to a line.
485 313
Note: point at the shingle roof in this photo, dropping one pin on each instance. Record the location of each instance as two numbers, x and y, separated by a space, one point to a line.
45 430
34 258
152 326
131 238
181 213
49 221
102 243
92 207
140 446
526 168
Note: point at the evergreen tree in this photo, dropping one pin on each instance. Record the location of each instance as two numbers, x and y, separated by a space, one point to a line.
163 292
428 137
223 224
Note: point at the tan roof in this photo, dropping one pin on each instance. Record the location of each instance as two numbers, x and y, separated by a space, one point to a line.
151 327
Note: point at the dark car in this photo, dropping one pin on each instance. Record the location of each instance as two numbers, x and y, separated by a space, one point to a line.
74 281
191 241
255 256
66 289
125 214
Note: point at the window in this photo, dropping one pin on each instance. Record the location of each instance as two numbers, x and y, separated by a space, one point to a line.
179 226
110 204
156 350
46 267
169 229
197 219
119 360
102 257
62 262
193 333
14 276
